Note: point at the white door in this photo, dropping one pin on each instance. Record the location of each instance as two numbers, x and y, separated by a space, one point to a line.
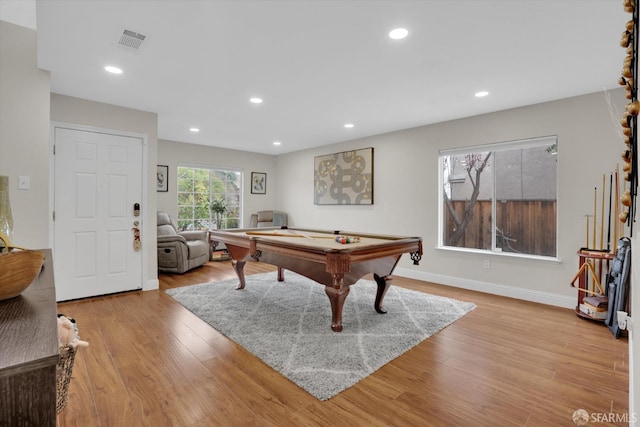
98 179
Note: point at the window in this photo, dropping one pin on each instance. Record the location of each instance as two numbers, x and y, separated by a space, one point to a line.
198 188
513 183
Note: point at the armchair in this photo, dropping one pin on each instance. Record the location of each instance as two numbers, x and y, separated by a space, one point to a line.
268 219
180 252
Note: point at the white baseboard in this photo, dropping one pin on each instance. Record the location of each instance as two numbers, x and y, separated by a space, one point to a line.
491 288
151 285
473 285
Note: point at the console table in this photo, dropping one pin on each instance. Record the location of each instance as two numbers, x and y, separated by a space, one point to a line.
29 353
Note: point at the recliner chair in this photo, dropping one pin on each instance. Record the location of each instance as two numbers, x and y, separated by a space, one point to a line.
268 219
179 252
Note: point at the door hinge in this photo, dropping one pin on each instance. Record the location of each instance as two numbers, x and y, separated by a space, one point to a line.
54 216
54 149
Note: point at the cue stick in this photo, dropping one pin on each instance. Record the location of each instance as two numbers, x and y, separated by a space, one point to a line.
601 229
595 215
602 216
586 266
299 234
595 230
609 222
275 234
586 276
616 215
265 233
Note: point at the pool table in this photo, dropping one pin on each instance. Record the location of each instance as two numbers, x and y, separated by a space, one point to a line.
317 255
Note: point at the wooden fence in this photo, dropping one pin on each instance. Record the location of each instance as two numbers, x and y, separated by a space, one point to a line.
527 226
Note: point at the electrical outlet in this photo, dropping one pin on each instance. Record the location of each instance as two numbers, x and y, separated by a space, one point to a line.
24 183
486 264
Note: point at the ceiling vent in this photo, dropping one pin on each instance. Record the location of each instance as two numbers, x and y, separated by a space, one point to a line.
131 39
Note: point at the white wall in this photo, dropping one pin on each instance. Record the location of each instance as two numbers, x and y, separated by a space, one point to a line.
634 332
173 153
24 133
406 191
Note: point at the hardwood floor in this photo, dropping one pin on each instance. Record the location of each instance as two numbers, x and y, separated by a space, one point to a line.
153 363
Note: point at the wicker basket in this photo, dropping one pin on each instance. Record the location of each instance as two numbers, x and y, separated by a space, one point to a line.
63 375
18 269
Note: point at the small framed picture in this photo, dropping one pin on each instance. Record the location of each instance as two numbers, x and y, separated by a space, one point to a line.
162 177
258 183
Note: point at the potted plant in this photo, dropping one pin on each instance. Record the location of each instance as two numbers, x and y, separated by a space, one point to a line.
218 207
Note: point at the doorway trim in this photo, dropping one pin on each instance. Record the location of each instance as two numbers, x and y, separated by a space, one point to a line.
147 218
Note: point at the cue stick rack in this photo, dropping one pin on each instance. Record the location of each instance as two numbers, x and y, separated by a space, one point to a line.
594 258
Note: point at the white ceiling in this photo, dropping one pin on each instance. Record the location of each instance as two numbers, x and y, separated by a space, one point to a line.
319 64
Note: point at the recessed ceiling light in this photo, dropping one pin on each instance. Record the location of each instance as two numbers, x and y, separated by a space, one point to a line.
277 143
348 125
255 100
398 33
481 94
113 70
194 130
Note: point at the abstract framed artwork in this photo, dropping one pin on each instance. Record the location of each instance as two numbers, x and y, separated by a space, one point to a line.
258 183
344 178
162 177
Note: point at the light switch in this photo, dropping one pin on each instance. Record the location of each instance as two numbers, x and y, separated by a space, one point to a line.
24 183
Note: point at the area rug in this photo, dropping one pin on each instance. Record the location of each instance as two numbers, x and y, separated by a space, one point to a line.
288 325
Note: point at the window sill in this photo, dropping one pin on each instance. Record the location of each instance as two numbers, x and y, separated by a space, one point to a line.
484 252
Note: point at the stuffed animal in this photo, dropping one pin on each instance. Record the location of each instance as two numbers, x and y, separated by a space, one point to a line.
68 332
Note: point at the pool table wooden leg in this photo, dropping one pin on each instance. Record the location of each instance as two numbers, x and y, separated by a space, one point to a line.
383 285
238 267
337 293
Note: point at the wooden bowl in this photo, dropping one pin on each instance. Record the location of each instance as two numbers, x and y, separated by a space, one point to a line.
17 271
